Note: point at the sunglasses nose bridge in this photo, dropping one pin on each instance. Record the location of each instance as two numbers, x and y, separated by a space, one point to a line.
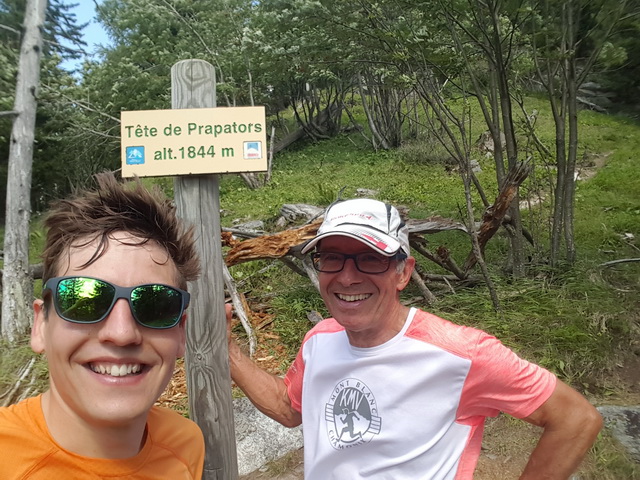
121 293
120 325
126 294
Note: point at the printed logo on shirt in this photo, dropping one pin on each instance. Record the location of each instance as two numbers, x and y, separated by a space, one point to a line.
351 414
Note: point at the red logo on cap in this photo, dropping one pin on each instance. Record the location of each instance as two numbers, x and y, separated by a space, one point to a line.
381 245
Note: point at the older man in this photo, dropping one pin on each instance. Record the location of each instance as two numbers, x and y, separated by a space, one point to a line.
386 391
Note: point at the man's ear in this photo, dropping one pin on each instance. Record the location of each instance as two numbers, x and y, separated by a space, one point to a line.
405 275
39 326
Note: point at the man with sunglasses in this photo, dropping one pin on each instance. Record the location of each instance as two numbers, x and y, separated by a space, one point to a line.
111 323
386 391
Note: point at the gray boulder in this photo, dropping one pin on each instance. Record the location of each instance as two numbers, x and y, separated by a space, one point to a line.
624 424
260 440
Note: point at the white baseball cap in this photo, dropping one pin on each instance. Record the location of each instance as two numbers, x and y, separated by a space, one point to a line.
374 223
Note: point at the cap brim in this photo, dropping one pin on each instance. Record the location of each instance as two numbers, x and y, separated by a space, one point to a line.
378 241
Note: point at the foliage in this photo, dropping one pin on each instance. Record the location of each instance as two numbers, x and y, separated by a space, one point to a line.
608 460
580 319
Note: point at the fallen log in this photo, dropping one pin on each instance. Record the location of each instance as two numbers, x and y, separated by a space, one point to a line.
241 308
433 225
276 245
318 123
289 242
22 374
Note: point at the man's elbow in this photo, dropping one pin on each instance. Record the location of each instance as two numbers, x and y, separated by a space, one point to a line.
291 419
593 421
290 422
586 424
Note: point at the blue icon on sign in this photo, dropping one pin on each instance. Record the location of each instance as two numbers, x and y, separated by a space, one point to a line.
135 155
252 150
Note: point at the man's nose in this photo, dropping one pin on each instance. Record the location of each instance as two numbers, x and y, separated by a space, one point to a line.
349 273
120 327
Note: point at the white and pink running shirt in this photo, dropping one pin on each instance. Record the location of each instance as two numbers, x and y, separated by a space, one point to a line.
412 408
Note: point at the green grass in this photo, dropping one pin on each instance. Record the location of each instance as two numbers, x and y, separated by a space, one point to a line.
290 310
607 460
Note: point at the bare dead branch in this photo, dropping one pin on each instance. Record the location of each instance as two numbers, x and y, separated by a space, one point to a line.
22 374
240 306
429 297
616 262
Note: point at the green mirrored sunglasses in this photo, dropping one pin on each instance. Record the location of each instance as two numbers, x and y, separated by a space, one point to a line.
90 300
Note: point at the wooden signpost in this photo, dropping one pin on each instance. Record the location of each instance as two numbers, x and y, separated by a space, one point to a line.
195 145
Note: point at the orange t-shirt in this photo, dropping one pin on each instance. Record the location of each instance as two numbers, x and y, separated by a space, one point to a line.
174 450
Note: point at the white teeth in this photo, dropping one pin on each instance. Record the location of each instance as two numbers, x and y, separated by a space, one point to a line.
353 298
116 370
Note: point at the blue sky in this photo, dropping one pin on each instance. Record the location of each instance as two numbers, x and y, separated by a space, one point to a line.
93 33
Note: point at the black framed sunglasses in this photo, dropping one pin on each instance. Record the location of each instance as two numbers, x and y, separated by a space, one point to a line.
367 262
90 300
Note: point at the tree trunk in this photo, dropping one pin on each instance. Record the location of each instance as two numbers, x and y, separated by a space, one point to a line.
17 293
506 110
379 139
561 166
570 178
562 160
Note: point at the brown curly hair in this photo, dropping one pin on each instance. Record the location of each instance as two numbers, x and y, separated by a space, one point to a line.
94 215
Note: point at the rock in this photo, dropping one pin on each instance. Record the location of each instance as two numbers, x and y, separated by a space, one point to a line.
259 439
366 192
590 86
254 226
624 424
314 317
485 143
591 105
294 212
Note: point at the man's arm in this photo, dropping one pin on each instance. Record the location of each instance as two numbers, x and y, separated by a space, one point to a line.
267 392
571 425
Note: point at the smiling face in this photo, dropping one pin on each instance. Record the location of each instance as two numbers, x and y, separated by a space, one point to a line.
110 373
366 305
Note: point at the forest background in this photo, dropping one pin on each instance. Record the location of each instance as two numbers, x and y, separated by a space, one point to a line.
391 97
